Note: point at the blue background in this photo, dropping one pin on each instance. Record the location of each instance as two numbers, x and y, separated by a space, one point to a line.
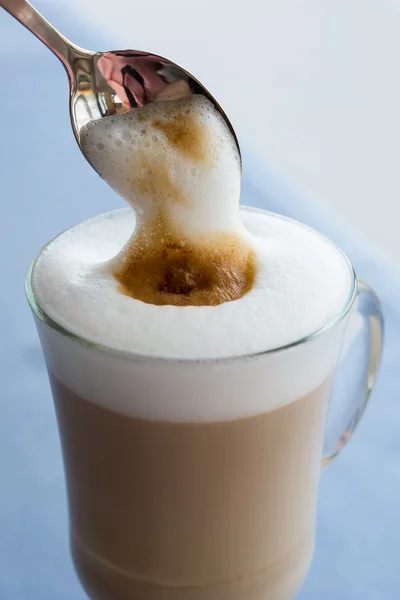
46 186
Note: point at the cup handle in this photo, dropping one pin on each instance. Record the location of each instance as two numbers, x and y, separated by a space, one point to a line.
353 384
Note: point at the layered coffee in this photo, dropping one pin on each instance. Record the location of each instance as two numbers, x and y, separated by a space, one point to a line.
190 408
200 511
190 479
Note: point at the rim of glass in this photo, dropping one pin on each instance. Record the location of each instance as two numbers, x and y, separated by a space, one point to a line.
134 356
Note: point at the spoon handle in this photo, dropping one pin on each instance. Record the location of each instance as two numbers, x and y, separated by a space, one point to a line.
28 16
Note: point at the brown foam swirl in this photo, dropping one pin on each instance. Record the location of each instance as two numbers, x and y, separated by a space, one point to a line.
159 267
185 135
177 165
153 181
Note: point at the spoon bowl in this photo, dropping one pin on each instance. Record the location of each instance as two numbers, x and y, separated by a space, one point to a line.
114 82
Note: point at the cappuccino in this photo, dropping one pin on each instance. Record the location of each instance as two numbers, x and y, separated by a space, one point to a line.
192 449
192 440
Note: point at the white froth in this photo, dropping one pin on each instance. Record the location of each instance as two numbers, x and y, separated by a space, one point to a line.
126 148
303 283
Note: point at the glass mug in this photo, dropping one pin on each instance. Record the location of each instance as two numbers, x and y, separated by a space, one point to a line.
202 509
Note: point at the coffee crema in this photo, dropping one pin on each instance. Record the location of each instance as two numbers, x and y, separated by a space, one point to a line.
159 267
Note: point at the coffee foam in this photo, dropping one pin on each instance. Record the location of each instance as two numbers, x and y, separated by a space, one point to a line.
179 155
177 164
302 283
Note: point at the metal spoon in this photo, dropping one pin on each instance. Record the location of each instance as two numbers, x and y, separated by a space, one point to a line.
106 83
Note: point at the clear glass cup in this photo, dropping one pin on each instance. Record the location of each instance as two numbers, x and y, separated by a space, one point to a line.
194 509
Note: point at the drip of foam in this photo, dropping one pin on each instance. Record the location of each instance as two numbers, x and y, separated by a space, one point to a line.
177 155
302 283
177 164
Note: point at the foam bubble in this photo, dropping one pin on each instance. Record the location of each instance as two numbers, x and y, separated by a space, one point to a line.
302 283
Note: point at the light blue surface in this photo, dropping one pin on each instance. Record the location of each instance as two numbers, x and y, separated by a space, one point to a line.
46 186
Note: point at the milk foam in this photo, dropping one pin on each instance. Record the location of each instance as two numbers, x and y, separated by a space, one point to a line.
179 155
178 161
302 283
